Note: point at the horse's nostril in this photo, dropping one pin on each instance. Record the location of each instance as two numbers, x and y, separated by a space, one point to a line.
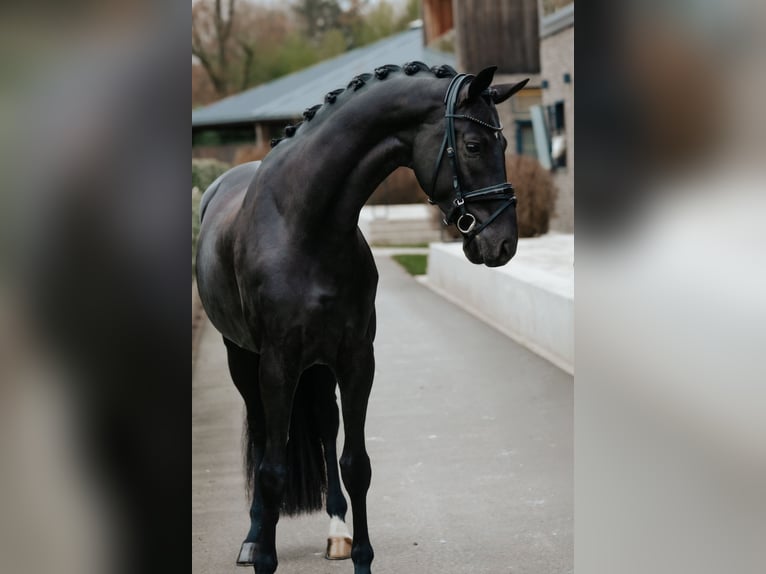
508 249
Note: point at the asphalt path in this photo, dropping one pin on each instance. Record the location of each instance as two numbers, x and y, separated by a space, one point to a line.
470 438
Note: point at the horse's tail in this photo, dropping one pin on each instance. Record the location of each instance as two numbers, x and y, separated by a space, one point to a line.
306 480
306 483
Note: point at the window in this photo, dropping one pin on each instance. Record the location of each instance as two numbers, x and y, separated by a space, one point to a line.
521 105
549 130
525 138
558 137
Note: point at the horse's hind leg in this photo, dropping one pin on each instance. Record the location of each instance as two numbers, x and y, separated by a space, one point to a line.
278 381
323 383
243 367
355 376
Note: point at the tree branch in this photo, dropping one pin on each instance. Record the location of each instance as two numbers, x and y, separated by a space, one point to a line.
219 29
247 64
230 21
207 65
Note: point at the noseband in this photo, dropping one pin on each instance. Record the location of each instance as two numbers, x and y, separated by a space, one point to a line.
459 215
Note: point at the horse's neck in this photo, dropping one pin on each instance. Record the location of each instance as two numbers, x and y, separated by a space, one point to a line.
355 148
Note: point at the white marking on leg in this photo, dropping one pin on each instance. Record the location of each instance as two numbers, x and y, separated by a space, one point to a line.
338 528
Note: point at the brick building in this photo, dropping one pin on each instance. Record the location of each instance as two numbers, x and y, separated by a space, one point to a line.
525 39
557 73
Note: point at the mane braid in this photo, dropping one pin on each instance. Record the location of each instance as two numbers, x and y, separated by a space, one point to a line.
332 96
382 72
412 68
359 81
444 71
309 113
291 129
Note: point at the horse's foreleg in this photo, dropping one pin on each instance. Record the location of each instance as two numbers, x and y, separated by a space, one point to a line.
277 385
326 413
355 379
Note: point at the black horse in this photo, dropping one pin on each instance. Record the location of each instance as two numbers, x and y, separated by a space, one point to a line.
286 276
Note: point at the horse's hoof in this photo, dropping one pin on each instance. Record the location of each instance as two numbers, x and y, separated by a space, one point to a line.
338 548
246 554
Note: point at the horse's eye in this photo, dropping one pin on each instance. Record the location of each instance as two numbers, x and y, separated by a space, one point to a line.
472 147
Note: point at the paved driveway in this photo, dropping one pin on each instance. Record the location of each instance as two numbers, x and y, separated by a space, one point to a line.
470 437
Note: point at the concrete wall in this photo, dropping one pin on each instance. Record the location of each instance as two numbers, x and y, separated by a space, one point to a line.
399 224
531 299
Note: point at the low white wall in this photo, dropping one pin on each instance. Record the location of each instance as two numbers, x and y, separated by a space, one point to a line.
398 224
531 299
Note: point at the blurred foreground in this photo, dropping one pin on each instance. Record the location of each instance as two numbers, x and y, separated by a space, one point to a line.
670 393
94 331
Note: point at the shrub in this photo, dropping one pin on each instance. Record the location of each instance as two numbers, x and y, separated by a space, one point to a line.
250 153
206 171
399 187
535 193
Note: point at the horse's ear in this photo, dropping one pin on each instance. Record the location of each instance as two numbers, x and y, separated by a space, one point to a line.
481 82
504 91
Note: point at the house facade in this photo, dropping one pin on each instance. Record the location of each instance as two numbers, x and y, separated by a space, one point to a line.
525 39
557 73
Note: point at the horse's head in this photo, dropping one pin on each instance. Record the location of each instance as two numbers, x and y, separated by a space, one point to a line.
460 162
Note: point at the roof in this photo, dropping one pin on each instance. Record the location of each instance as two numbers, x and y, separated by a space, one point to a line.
288 96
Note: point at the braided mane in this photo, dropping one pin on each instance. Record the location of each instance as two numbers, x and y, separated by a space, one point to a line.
358 82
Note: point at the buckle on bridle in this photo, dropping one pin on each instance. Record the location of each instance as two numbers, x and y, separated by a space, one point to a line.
459 201
464 227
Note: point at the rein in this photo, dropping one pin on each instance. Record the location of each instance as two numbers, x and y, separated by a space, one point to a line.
459 215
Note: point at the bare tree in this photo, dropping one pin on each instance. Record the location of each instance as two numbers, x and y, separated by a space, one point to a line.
212 40
318 16
232 38
202 91
239 43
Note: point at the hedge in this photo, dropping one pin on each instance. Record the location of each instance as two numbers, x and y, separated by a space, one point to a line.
206 171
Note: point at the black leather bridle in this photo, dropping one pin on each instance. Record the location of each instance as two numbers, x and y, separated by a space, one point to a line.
458 214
